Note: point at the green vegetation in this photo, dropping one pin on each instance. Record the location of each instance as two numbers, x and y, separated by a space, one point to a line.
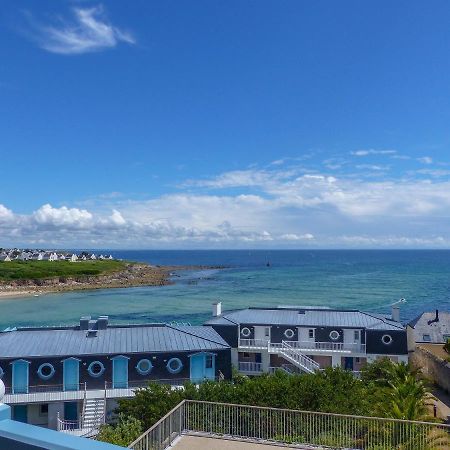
125 431
384 390
37 270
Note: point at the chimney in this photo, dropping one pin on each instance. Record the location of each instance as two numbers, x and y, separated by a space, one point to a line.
84 322
217 309
102 322
396 313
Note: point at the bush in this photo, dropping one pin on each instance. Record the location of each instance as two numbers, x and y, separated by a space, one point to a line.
125 431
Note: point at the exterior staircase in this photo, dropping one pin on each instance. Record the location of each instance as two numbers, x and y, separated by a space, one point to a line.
93 414
295 357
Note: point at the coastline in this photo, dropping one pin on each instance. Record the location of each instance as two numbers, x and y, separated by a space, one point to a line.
134 275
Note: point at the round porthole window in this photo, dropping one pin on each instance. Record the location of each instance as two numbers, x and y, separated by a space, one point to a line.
96 369
334 335
1 373
246 332
45 371
174 365
144 367
289 333
386 339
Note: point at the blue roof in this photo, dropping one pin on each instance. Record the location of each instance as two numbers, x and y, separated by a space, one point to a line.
60 342
307 317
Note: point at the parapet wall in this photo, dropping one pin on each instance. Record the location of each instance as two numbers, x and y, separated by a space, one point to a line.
432 366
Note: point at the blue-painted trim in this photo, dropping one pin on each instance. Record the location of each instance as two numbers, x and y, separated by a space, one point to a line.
72 357
46 377
144 372
14 363
119 357
93 374
66 387
203 353
178 369
114 360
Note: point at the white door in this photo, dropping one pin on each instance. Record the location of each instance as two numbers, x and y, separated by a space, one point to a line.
262 333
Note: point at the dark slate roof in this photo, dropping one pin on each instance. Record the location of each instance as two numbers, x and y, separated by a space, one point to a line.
307 317
25 343
425 324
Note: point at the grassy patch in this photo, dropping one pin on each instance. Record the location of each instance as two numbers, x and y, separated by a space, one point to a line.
30 270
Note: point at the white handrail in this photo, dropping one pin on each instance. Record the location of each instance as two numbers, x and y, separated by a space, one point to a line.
298 358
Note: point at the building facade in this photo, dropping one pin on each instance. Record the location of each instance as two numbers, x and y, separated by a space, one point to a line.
71 377
307 339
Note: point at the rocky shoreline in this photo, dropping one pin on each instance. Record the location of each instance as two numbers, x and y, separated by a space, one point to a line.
134 274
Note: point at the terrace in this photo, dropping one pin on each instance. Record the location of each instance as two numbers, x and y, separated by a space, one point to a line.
193 425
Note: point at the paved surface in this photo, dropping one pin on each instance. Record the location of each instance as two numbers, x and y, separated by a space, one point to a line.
206 443
443 403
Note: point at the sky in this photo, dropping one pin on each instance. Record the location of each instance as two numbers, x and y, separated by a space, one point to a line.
225 124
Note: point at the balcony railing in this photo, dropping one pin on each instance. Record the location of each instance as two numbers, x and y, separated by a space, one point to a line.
253 343
250 367
49 393
346 347
295 428
343 347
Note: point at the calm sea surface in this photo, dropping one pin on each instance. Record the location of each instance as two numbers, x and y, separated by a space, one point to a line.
368 280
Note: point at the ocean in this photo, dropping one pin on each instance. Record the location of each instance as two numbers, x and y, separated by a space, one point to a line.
370 280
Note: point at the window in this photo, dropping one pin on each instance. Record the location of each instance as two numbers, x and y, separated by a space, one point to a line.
426 338
43 409
386 339
267 332
357 360
246 355
334 335
144 367
356 335
311 333
174 365
209 362
96 369
246 332
45 371
289 333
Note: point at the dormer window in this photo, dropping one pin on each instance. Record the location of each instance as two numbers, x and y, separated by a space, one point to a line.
426 338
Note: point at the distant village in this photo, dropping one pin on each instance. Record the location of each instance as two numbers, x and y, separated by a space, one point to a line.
16 254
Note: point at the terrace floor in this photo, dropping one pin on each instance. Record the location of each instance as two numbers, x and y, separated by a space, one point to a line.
189 442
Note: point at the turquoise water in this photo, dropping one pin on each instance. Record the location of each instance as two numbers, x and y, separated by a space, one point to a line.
368 280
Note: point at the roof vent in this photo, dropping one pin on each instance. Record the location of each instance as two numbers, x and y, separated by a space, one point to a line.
84 322
102 322
91 333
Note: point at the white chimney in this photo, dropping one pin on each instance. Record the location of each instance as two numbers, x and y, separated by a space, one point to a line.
217 309
396 313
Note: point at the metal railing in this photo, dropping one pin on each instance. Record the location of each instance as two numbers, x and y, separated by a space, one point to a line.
270 425
348 347
300 360
250 367
253 343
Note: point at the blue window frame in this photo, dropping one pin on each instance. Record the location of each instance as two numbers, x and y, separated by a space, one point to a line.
96 369
46 371
144 367
174 365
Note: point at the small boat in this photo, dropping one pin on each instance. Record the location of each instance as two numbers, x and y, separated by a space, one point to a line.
36 295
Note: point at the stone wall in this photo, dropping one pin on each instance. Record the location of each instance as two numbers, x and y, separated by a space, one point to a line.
432 366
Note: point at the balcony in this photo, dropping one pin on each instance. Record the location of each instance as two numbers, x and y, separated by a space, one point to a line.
253 344
338 347
250 367
54 393
325 347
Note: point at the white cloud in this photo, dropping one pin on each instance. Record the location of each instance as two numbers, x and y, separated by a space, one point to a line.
373 152
425 160
88 31
278 207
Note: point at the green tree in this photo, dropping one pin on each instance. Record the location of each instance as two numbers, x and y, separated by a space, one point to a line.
125 431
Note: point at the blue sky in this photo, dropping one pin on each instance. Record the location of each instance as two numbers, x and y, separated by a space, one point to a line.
231 124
